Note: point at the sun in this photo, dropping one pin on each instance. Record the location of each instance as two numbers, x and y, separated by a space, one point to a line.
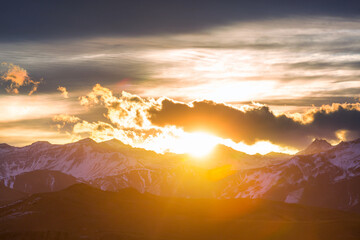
198 144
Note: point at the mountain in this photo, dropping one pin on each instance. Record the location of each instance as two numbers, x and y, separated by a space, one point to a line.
328 178
109 165
317 146
84 159
83 212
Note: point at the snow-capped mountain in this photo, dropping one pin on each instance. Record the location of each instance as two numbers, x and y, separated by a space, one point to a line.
329 176
328 179
81 159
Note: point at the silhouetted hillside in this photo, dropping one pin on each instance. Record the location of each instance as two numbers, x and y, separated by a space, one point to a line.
83 212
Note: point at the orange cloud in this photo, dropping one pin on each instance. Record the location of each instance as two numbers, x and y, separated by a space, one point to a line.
17 77
126 111
65 118
63 91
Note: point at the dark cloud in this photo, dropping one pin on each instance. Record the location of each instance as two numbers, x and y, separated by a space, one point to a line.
315 98
317 77
257 123
29 20
340 92
80 76
314 65
325 98
341 118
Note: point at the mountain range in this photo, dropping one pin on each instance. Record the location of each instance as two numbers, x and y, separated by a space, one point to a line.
321 175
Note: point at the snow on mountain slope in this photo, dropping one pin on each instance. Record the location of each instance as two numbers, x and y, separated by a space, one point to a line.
328 179
81 159
88 160
84 161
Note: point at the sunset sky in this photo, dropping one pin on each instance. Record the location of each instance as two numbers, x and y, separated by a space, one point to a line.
257 76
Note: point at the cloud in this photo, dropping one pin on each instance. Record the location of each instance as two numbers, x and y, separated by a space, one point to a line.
158 124
63 91
17 77
145 18
265 60
21 107
128 118
127 115
65 118
258 123
126 111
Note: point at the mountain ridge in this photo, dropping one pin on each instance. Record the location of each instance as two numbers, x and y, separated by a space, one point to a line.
307 179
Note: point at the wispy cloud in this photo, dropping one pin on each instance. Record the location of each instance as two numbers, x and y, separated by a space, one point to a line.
242 61
20 107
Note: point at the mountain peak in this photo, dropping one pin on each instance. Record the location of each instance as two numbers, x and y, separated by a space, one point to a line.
223 150
320 140
115 145
115 141
4 145
318 145
86 141
40 143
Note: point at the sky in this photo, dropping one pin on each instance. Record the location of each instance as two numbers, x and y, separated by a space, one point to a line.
258 76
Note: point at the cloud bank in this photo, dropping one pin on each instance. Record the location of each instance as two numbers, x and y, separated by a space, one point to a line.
127 120
157 124
259 123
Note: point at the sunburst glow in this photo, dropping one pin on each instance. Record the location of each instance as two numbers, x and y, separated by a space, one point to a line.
197 144
200 144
